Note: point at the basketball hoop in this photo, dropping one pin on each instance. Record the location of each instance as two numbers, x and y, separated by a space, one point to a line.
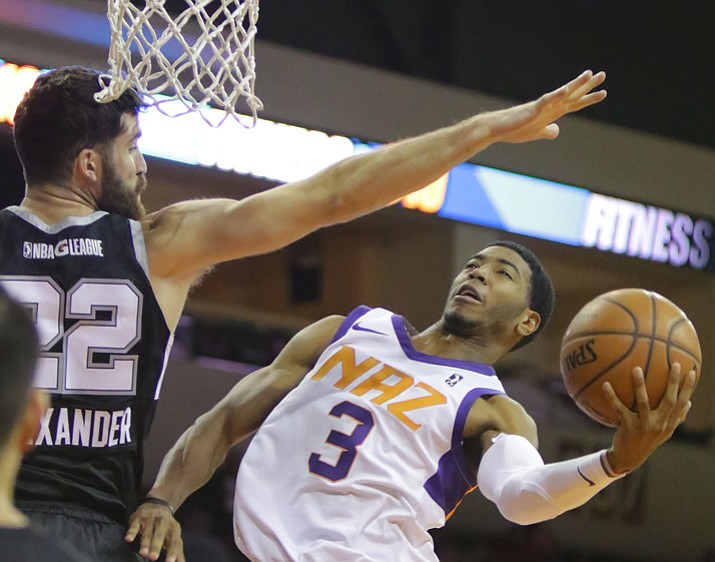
202 57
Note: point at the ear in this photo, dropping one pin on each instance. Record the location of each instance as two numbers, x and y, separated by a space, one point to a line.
37 404
529 323
88 165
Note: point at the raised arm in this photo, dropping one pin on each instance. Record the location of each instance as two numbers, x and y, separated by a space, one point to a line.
513 475
202 448
185 238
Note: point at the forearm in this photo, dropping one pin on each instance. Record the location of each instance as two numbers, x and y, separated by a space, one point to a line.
408 165
365 183
191 462
202 448
513 475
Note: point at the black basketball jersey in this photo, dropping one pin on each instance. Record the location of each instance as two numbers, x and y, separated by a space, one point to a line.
104 343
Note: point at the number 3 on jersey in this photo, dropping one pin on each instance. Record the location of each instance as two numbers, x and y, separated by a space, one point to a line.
107 312
348 443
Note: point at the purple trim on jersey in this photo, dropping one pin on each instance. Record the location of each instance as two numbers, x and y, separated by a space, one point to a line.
350 319
399 324
454 478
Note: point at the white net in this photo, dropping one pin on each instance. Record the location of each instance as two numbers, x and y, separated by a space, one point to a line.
201 57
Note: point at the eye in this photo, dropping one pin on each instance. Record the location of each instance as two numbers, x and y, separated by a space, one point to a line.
506 274
470 266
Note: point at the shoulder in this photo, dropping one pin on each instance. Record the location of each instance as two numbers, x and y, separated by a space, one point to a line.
312 340
160 222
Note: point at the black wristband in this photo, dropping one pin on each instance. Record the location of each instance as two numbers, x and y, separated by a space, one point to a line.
158 501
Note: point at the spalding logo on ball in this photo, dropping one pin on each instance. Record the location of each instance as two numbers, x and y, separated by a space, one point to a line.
616 332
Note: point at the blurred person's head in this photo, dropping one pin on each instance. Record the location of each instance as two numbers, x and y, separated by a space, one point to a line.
21 406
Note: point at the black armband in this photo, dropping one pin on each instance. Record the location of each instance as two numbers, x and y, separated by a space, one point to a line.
159 501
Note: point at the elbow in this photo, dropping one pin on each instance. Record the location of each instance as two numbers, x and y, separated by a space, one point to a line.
521 517
525 506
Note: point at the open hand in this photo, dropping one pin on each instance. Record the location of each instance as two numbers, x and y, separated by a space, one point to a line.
535 120
641 432
158 529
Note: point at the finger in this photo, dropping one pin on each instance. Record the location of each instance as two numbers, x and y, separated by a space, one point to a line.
642 402
581 85
158 537
590 99
684 404
614 401
598 78
134 527
575 95
578 83
567 89
550 131
671 390
175 548
147 534
593 82
689 384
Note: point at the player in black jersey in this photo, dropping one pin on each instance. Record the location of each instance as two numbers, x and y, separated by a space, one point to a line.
107 282
21 408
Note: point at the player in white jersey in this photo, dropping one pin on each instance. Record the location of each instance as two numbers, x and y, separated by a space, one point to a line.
372 433
374 450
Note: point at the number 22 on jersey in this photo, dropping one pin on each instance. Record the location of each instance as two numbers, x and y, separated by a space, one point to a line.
107 314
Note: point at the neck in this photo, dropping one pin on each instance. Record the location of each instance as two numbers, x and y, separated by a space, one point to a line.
10 516
437 340
52 203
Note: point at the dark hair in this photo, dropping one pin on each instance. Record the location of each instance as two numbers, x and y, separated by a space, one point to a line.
18 356
542 289
58 117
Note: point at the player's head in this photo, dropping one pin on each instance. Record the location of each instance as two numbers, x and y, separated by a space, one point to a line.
541 289
503 291
60 131
18 355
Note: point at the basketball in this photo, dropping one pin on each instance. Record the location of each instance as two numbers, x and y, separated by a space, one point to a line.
616 332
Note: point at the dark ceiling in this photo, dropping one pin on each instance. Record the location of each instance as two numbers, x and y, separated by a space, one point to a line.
658 54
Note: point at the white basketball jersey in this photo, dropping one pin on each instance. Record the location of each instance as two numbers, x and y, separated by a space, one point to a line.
365 455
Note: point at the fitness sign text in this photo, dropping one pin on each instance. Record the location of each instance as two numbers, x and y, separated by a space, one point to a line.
647 232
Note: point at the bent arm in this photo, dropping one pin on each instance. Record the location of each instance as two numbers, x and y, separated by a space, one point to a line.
513 475
202 448
182 239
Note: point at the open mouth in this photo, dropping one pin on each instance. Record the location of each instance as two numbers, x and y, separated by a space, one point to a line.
468 292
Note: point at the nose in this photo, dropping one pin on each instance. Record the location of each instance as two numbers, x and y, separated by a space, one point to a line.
478 273
140 163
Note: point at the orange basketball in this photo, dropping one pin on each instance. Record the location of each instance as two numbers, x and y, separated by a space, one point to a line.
616 332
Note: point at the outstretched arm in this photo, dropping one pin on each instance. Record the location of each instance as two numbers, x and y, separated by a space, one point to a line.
181 239
513 475
202 448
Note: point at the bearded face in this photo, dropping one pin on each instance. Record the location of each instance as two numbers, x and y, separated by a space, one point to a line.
121 196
